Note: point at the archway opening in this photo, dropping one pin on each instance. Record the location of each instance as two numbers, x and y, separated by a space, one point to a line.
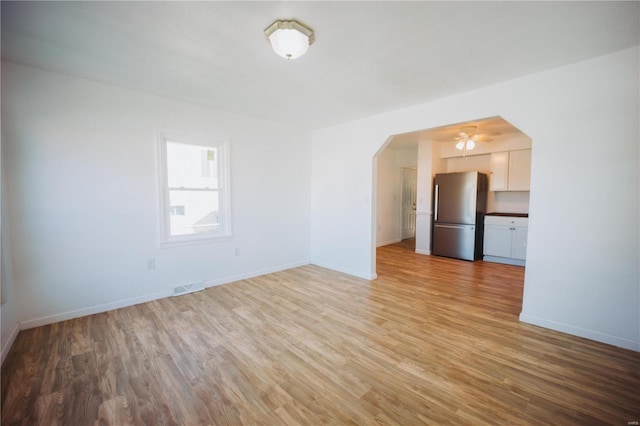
433 151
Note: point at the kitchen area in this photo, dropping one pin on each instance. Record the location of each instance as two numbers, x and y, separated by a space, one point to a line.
483 214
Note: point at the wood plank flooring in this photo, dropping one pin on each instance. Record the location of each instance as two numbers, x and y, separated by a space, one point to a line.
431 341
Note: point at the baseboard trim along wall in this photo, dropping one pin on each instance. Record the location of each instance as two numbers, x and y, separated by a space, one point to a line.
37 322
9 343
83 312
582 332
253 274
386 243
370 276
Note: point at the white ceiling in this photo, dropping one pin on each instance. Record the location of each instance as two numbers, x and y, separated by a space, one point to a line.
368 57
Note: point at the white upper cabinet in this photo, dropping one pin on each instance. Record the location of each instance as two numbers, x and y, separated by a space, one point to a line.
510 171
520 170
499 179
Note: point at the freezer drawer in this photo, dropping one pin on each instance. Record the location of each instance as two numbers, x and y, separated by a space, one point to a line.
457 241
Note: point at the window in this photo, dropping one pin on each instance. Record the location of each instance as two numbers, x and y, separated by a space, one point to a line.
176 210
194 189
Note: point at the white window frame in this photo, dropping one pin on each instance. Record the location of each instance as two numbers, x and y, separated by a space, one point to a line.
224 189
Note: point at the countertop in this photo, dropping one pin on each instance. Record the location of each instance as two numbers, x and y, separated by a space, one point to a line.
507 214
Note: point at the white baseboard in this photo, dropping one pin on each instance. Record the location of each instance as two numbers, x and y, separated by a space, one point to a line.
37 322
369 276
505 260
420 251
582 332
386 243
63 316
12 338
253 274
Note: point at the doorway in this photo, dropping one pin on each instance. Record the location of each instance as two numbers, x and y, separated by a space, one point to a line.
396 192
433 151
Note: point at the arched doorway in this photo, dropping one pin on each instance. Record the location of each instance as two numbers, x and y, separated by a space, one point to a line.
433 151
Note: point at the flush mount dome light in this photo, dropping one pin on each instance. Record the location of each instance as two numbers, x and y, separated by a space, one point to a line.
289 39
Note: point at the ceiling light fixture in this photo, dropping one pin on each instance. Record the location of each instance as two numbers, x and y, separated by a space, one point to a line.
289 39
467 144
465 140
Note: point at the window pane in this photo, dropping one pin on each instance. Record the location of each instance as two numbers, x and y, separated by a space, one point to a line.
191 166
193 212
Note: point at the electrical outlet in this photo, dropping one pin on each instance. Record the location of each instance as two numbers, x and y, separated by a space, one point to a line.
237 251
151 263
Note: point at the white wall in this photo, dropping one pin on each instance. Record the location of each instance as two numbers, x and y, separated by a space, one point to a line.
389 215
582 273
83 202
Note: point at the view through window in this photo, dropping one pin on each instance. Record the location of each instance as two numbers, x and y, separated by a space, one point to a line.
194 199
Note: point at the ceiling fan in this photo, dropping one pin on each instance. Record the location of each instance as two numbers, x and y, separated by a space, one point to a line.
467 139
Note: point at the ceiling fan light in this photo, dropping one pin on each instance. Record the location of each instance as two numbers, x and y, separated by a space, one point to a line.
460 145
289 39
470 145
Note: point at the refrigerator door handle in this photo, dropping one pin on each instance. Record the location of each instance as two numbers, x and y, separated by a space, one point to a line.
435 213
470 227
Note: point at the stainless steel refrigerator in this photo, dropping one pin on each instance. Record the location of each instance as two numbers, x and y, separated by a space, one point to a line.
459 205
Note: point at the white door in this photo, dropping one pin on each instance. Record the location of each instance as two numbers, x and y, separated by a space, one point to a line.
409 191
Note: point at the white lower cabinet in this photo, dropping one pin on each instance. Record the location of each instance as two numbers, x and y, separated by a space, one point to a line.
519 246
505 239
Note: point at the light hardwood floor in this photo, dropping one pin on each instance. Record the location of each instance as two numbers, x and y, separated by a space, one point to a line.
431 341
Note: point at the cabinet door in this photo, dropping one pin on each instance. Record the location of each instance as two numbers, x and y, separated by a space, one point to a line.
499 171
519 249
497 241
520 170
